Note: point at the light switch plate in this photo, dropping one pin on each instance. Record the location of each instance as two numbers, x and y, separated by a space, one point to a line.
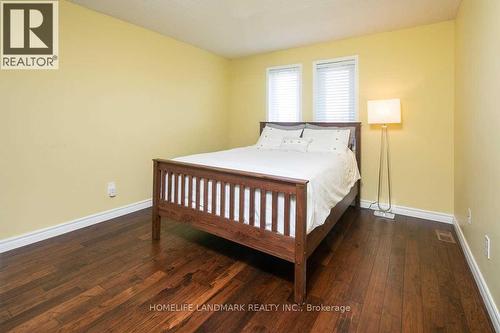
111 189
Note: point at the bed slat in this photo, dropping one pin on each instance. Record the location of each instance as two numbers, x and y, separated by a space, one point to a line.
262 217
223 199
286 215
205 195
163 175
275 211
214 196
169 191
197 195
251 211
241 207
176 188
190 192
231 202
183 190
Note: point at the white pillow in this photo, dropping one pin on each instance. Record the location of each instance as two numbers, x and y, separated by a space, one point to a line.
271 137
326 140
294 144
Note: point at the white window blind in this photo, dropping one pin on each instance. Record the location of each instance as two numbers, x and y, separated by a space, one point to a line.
335 90
283 93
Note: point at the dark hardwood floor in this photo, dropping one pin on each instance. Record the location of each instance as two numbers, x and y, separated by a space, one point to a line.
393 276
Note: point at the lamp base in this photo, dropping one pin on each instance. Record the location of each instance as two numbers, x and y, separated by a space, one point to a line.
387 215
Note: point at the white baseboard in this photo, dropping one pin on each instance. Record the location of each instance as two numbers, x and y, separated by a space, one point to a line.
414 212
42 234
478 276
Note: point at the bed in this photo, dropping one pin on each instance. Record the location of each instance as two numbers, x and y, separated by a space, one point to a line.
279 202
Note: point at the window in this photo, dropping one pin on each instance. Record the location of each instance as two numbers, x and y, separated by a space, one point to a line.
335 90
283 93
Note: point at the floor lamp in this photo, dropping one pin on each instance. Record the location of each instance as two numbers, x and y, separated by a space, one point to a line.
383 112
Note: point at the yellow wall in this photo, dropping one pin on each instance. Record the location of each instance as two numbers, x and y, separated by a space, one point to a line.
122 96
416 65
477 131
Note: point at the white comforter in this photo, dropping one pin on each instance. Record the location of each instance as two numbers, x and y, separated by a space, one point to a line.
331 176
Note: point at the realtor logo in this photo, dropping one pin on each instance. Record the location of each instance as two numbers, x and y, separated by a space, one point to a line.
29 35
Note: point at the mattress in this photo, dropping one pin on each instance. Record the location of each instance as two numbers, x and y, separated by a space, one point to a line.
331 176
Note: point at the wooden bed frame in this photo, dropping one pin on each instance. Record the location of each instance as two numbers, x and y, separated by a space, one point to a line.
169 203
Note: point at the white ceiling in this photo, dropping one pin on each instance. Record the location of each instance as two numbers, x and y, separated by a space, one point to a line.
235 28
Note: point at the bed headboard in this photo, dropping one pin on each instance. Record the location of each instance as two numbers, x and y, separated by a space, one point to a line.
356 125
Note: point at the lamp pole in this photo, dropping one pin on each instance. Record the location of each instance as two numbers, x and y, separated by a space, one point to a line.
384 153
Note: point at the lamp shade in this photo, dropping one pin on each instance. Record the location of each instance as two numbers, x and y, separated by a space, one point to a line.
384 111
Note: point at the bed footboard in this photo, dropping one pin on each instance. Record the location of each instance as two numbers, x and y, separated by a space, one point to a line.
232 204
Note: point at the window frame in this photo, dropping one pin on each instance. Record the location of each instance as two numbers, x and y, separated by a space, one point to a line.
268 70
354 58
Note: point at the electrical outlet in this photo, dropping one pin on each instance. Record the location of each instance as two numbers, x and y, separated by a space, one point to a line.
469 216
111 189
487 247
